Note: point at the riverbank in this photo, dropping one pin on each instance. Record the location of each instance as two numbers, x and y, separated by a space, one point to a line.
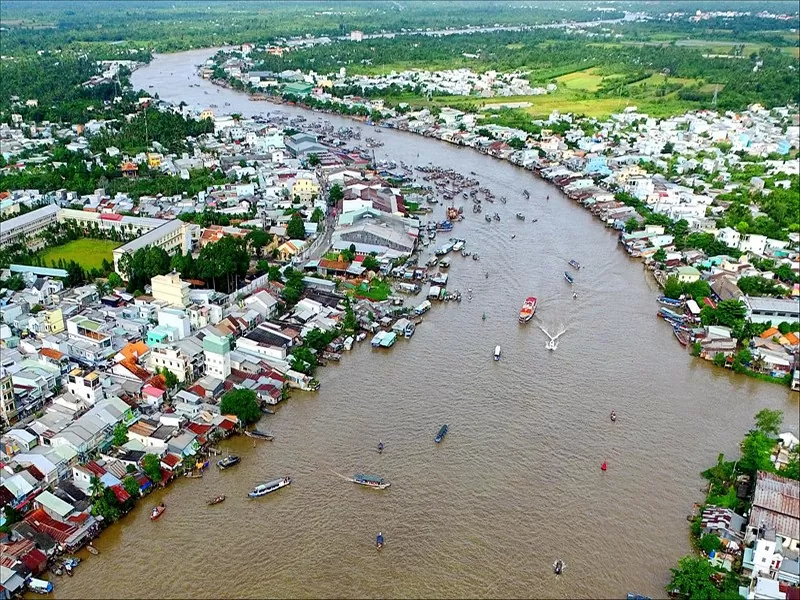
659 239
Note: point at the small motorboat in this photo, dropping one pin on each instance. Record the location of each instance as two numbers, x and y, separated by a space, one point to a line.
487 274
558 567
267 411
604 466
569 279
488 219
379 541
497 352
503 199
484 316
442 432
613 415
575 264
380 447
520 216
269 487
574 295
526 194
534 220
157 511
92 549
513 236
216 500
228 461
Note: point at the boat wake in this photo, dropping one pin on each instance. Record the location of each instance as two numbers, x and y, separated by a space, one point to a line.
552 344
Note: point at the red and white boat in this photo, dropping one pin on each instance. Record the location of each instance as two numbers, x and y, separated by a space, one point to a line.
528 308
157 511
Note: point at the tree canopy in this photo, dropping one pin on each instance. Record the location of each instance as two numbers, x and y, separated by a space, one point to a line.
242 403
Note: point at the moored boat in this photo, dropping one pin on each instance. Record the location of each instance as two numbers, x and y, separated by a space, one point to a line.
370 481
92 549
442 432
228 461
259 435
269 487
528 308
157 511
569 277
671 302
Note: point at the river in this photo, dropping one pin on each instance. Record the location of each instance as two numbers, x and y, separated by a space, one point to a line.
515 485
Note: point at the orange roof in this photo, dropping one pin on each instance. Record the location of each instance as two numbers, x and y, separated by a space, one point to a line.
135 369
129 166
792 338
770 333
50 353
134 350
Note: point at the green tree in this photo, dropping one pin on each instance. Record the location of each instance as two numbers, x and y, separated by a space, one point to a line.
130 485
302 359
792 468
350 322
660 255
107 506
114 280
95 486
692 579
370 263
120 435
741 360
295 230
719 359
317 216
313 159
768 421
335 193
673 287
170 379
348 255
709 543
151 465
243 404
756 451
631 225
697 348
257 239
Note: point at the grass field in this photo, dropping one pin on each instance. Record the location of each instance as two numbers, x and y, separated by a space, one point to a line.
86 252
588 80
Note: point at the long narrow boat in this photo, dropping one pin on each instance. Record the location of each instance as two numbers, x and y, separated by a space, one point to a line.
216 500
259 435
442 432
528 308
371 481
682 334
157 511
671 302
269 487
568 277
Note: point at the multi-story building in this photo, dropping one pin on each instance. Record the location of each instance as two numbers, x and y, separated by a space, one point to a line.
170 289
172 236
86 386
172 359
90 342
306 189
217 350
28 226
8 405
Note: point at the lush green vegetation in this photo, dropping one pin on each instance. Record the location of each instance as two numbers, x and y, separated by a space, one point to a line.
694 577
243 404
88 253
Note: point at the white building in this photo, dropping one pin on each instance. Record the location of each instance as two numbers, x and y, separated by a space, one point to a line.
217 350
170 289
729 236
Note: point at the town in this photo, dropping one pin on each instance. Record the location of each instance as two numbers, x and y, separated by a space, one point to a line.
199 282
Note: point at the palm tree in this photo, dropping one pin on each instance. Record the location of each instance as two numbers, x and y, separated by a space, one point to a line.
95 486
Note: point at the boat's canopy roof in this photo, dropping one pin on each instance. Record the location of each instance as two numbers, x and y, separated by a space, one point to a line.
363 477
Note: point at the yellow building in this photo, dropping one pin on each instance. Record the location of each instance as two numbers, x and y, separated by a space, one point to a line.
153 160
170 289
207 113
52 320
305 189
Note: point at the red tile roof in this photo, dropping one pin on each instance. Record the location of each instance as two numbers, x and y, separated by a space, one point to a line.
198 428
43 523
120 493
171 460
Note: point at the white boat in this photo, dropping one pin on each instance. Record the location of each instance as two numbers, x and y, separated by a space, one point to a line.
271 486
497 352
457 247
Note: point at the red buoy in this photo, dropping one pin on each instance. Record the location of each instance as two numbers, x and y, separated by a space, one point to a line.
604 466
